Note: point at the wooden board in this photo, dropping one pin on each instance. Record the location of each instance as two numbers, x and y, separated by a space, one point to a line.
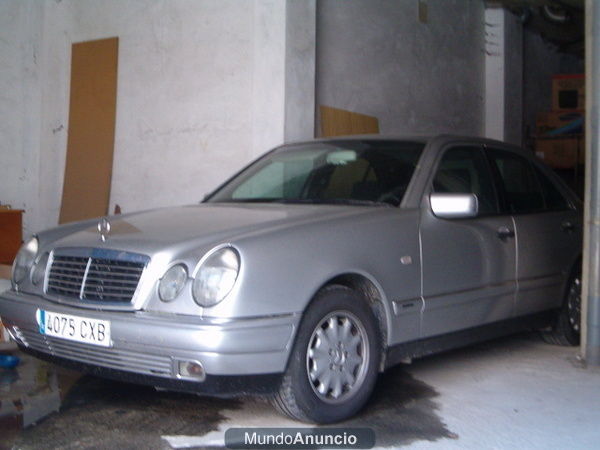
90 144
339 122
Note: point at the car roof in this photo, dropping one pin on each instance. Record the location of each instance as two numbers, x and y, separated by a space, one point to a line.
367 137
424 139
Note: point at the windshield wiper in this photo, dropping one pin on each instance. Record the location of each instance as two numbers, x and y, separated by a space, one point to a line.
249 200
307 201
331 201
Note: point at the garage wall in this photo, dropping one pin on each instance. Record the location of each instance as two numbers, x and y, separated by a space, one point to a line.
206 85
375 57
201 91
513 81
20 38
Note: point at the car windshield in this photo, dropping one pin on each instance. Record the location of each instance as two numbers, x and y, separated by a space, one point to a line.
333 172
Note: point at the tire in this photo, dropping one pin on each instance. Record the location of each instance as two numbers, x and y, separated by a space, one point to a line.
567 325
334 363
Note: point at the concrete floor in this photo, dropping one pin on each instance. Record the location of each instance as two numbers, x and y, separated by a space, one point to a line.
510 393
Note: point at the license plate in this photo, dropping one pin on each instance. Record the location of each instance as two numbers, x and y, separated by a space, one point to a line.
74 328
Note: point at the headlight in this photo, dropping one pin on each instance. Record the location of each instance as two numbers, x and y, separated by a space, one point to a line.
172 283
24 260
215 277
39 271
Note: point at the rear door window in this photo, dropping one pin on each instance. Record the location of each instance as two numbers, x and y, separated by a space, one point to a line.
553 198
525 189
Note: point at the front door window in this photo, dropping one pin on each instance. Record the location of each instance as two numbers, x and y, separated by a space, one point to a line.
464 170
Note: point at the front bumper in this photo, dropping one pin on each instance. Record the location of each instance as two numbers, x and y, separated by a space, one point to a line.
147 348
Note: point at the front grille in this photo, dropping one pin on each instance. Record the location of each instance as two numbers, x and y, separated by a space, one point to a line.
111 280
95 275
119 359
66 275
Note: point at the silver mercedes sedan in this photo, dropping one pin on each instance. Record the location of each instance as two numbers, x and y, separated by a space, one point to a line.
309 272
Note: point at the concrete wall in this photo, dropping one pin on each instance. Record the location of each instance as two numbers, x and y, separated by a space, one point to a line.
300 69
375 57
206 85
202 89
513 81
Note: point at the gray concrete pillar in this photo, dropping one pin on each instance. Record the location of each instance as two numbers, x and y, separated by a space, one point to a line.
591 263
283 87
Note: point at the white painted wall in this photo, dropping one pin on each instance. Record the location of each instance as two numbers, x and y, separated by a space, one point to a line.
495 51
201 91
207 85
375 57
20 122
503 75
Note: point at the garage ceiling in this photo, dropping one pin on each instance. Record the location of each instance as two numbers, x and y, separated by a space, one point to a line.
560 22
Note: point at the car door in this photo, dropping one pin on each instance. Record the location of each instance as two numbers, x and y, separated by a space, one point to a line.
548 232
469 264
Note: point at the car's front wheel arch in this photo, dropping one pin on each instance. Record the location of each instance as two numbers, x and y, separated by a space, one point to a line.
334 360
372 294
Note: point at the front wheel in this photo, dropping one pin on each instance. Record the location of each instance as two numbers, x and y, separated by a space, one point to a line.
333 365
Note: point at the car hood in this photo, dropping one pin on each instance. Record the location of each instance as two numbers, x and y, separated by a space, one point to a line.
196 225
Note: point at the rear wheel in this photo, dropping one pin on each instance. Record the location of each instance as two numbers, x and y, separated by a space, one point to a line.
567 326
333 366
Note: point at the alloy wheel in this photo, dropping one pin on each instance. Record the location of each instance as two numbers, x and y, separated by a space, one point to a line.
337 357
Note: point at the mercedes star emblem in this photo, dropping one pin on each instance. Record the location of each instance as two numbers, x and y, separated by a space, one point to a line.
104 228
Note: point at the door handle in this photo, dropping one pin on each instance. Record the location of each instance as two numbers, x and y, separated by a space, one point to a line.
567 226
505 233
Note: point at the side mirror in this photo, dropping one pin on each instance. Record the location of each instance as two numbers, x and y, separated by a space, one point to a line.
453 206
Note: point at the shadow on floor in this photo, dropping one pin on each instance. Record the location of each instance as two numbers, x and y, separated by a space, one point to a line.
402 410
100 413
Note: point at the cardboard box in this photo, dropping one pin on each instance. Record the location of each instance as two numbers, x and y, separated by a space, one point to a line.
561 153
5 271
559 122
568 92
11 234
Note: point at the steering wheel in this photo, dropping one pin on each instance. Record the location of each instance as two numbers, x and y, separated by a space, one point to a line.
393 196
